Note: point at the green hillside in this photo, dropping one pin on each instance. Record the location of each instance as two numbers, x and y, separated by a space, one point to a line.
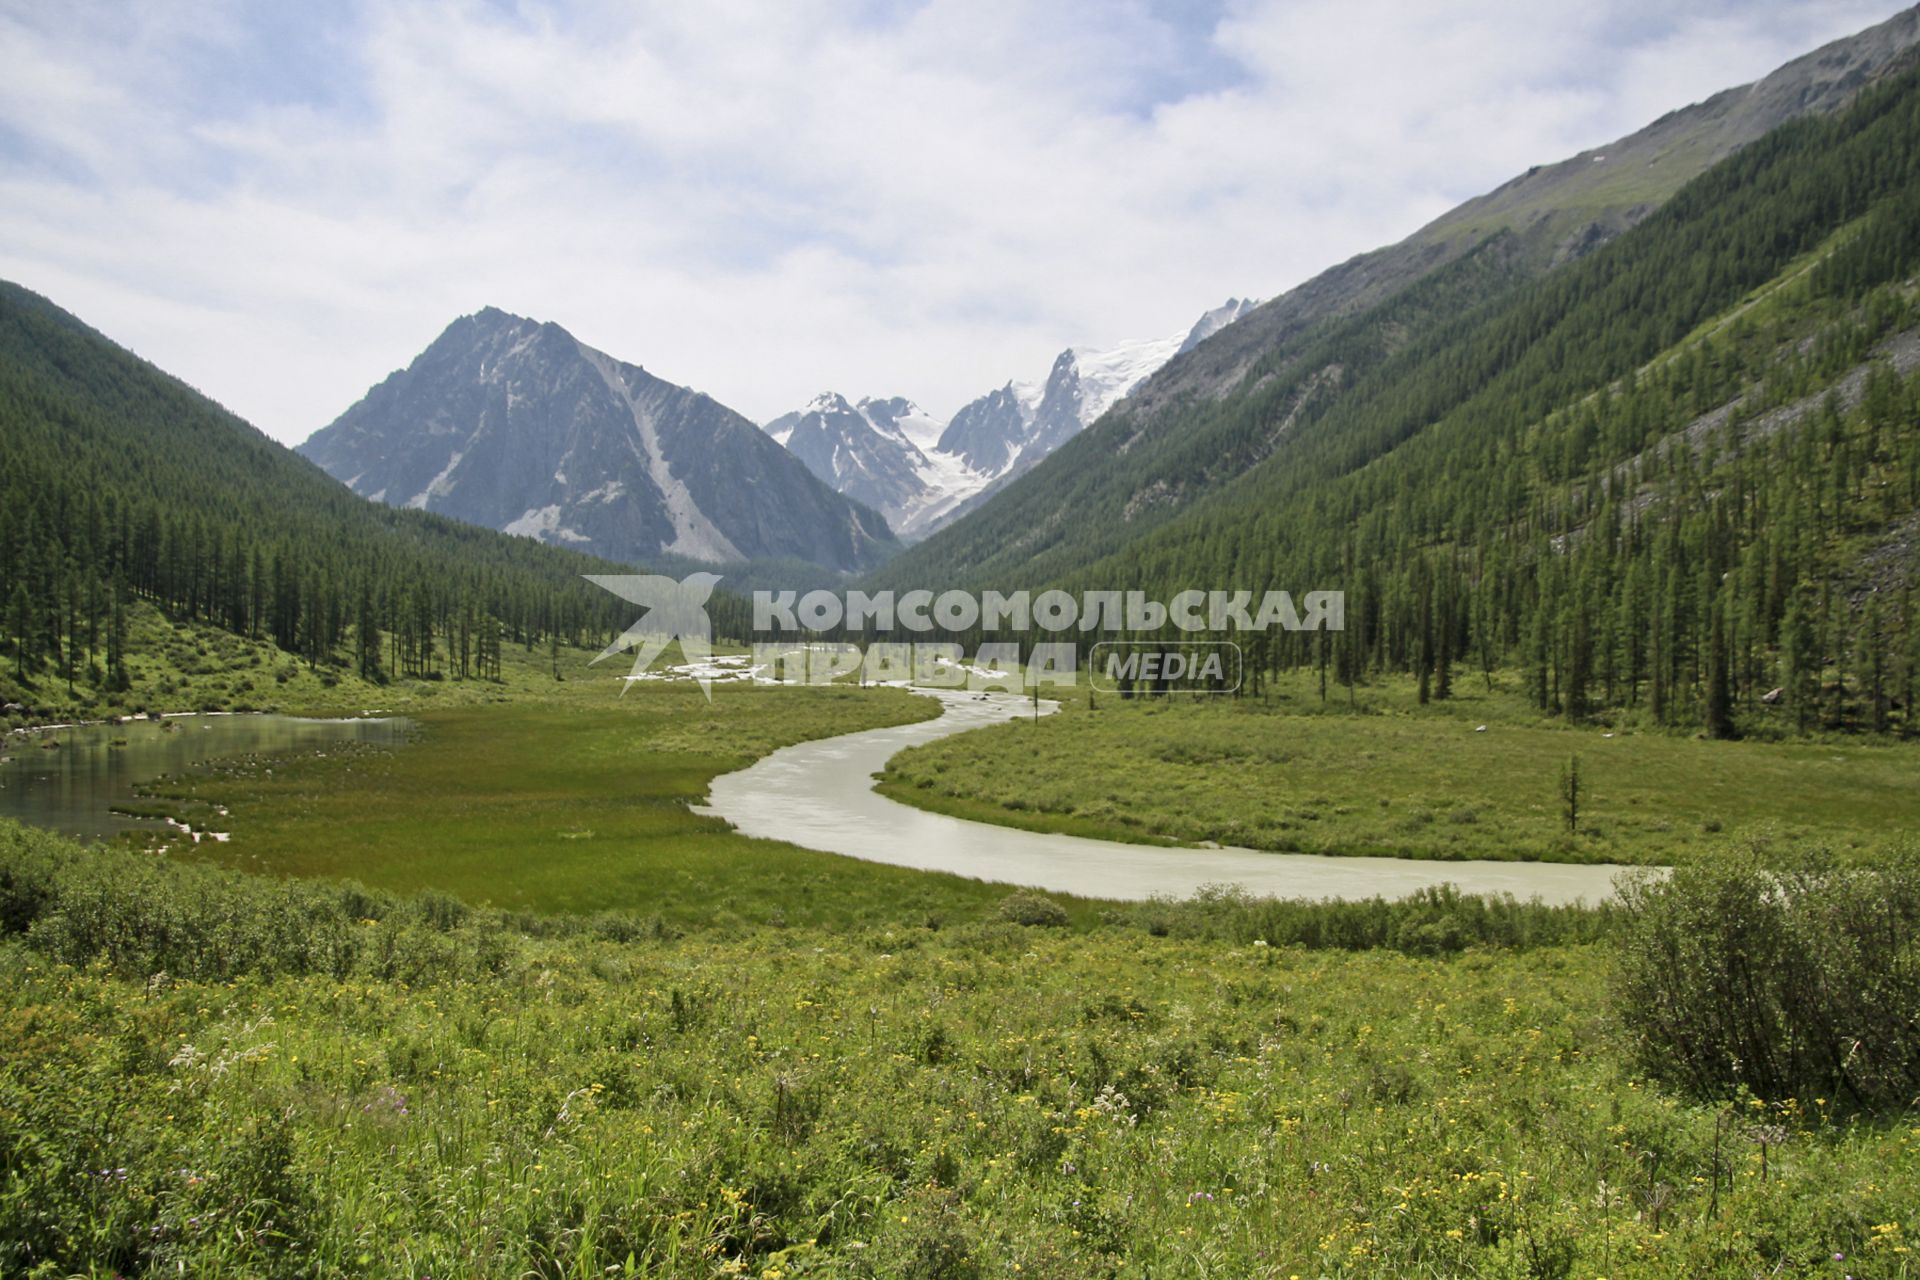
130 505
1672 476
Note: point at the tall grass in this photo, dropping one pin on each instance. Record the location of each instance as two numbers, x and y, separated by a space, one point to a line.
216 1075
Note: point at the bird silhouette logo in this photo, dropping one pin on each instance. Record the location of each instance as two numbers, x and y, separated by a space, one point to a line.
674 611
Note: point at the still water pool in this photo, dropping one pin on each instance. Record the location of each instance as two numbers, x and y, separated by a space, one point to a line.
74 784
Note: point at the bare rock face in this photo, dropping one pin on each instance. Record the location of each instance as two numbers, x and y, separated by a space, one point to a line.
517 425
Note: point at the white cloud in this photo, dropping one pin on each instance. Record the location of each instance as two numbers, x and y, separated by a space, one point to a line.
764 201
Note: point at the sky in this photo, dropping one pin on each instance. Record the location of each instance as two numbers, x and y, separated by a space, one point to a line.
283 203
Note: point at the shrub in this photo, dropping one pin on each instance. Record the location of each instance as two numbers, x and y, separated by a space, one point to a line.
1786 977
28 872
939 1245
1032 909
625 926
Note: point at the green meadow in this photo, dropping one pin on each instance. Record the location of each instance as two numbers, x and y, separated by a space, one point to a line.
496 1003
1286 772
224 1075
575 800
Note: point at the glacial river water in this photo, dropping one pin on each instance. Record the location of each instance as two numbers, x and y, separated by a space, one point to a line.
820 795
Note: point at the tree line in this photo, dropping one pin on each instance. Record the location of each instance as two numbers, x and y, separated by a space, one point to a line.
120 485
1678 476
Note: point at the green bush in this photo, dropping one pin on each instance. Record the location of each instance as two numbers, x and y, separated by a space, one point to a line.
28 870
1782 976
1032 909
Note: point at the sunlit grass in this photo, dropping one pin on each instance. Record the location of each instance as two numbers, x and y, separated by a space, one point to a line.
982 1100
573 799
1288 773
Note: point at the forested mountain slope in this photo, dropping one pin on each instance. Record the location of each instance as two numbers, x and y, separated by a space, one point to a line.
1678 474
1181 434
121 486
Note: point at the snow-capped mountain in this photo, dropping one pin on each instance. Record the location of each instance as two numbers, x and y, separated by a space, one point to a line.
1008 430
1216 320
517 425
898 459
989 433
880 452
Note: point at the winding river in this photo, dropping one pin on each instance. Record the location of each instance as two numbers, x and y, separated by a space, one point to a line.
815 794
820 795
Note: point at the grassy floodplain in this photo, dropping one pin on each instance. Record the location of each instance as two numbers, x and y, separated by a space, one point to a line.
494 1003
223 1075
1286 772
574 799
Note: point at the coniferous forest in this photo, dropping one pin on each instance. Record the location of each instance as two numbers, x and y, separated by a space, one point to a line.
1680 476
122 489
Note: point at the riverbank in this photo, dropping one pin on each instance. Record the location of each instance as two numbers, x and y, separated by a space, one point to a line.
1476 778
820 794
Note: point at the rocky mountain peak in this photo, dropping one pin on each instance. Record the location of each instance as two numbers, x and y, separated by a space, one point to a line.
513 423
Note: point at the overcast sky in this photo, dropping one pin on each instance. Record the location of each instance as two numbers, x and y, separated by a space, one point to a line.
283 202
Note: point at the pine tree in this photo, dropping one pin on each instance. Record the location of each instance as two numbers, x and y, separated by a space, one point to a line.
1579 664
1799 669
1570 793
1870 659
366 627
1719 690
117 678
67 640
20 626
